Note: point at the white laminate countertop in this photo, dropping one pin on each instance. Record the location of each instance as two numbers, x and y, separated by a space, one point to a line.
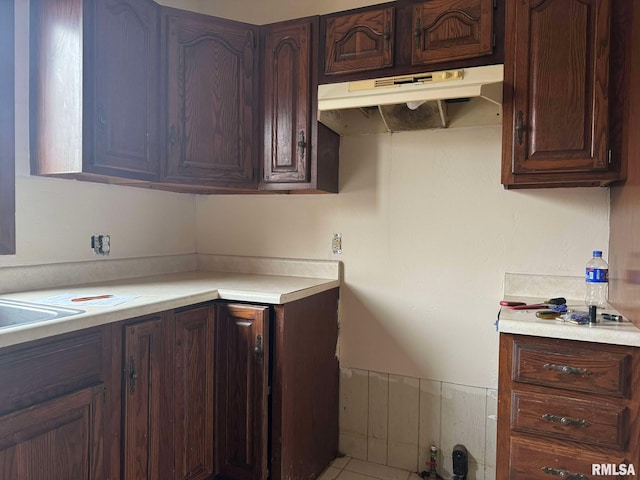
159 293
525 322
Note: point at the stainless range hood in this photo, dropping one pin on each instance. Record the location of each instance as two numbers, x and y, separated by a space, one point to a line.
446 99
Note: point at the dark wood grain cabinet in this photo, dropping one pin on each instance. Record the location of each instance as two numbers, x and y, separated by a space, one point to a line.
410 38
299 154
212 106
191 334
52 411
94 69
238 390
149 96
60 438
446 30
122 88
167 394
242 391
360 41
557 94
144 385
564 405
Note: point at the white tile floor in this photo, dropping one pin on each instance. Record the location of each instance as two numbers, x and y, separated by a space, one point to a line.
346 468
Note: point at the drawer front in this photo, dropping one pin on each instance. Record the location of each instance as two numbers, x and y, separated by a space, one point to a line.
561 417
539 461
37 373
569 365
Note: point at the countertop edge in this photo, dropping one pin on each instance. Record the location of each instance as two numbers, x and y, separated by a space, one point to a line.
98 317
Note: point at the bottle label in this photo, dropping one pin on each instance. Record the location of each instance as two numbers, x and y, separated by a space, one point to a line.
597 275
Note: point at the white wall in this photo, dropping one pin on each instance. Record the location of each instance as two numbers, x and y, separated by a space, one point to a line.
428 233
55 218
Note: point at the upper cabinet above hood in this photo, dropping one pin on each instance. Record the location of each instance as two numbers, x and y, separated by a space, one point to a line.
451 98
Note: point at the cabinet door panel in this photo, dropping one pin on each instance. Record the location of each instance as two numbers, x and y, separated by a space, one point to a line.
57 440
242 358
141 396
126 83
210 101
561 82
359 42
287 127
447 30
193 394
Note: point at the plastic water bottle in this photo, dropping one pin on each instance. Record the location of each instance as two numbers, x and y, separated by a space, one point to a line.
597 279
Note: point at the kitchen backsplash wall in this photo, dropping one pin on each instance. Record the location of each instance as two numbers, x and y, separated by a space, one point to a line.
428 234
393 420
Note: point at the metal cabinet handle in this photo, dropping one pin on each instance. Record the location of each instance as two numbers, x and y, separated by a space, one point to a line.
519 126
564 474
302 144
133 375
418 33
566 421
387 36
566 369
259 352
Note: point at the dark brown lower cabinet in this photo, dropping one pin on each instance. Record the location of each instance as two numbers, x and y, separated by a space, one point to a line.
52 415
238 391
59 439
242 374
193 390
141 397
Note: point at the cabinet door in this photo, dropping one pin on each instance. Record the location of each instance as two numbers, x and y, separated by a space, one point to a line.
122 86
287 100
211 101
359 42
242 360
143 351
59 440
556 115
447 30
193 394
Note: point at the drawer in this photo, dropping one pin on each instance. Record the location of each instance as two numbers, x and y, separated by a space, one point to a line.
571 365
530 460
561 417
43 370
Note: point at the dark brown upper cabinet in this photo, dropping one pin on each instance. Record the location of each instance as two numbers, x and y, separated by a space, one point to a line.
556 94
410 37
95 89
122 88
7 131
446 30
211 101
359 41
298 152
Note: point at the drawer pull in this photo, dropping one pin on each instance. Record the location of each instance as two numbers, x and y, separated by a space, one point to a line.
567 369
564 474
566 421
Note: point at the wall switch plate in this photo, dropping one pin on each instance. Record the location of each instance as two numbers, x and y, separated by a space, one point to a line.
336 243
101 244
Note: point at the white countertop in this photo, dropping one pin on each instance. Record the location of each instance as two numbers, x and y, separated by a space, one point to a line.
159 293
525 322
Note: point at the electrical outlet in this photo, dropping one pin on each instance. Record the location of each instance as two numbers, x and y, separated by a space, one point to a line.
101 244
336 243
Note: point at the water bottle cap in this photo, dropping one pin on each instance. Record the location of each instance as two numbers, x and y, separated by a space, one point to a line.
597 253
